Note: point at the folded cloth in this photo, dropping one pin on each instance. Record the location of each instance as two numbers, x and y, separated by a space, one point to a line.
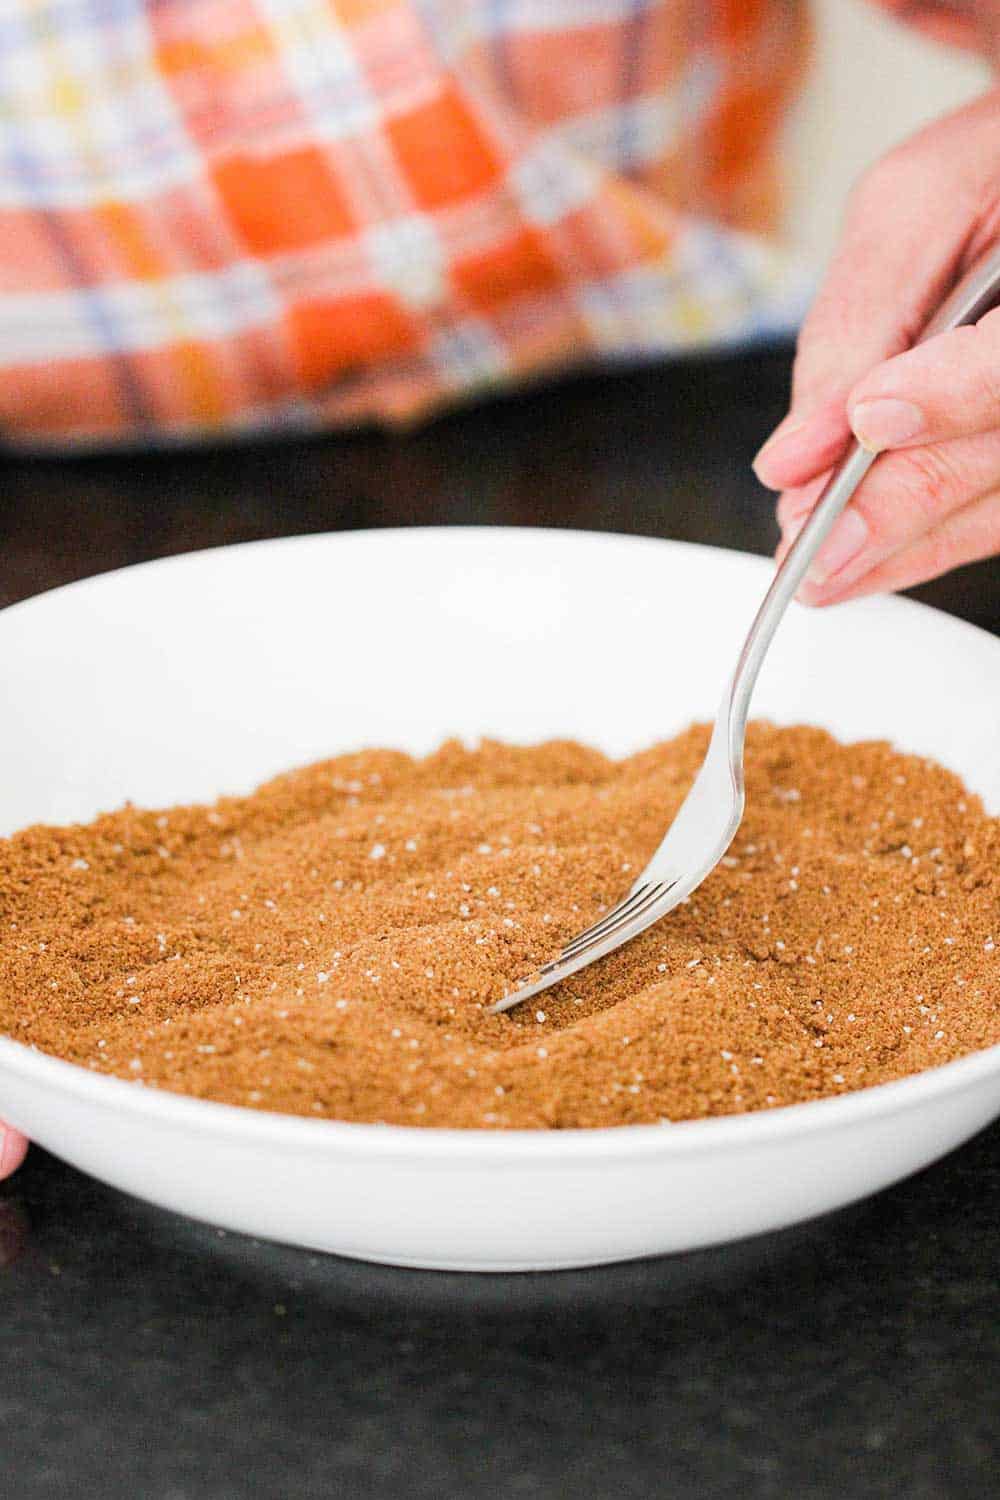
221 216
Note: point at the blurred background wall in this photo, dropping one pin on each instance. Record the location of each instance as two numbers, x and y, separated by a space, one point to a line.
874 82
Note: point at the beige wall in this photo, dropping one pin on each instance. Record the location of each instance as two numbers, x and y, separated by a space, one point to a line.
873 83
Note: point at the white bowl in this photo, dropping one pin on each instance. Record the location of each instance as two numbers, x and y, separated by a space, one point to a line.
183 679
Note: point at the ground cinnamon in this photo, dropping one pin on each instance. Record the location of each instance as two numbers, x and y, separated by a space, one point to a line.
328 946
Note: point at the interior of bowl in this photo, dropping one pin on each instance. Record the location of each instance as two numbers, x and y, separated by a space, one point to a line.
205 674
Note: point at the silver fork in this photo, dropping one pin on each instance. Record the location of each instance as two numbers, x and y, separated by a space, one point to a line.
708 818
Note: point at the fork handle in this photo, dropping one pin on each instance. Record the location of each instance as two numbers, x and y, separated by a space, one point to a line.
975 294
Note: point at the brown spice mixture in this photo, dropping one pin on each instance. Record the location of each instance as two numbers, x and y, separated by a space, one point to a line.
328 945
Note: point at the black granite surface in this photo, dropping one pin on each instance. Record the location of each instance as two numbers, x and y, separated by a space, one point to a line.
143 1357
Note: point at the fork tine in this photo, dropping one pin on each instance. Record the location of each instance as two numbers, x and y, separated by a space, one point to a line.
629 910
609 918
576 955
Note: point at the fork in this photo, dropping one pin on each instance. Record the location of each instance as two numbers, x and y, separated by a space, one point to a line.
709 816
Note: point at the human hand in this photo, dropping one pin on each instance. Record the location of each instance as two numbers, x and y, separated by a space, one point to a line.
13 1148
957 23
917 219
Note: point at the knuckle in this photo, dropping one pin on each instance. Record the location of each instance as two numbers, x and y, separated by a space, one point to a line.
989 387
922 481
912 491
928 479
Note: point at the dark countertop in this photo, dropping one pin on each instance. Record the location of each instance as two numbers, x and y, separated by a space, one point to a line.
149 1358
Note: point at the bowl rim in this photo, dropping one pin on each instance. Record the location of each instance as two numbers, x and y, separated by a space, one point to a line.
371 534
748 1130
489 1147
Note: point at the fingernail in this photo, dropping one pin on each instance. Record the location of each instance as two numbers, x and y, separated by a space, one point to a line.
886 423
843 544
783 430
809 594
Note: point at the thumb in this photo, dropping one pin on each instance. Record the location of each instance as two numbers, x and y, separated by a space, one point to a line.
948 387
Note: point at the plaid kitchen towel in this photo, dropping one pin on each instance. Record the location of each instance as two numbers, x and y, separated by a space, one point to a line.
218 216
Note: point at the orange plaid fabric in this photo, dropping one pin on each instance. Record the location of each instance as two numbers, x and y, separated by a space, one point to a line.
220 216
